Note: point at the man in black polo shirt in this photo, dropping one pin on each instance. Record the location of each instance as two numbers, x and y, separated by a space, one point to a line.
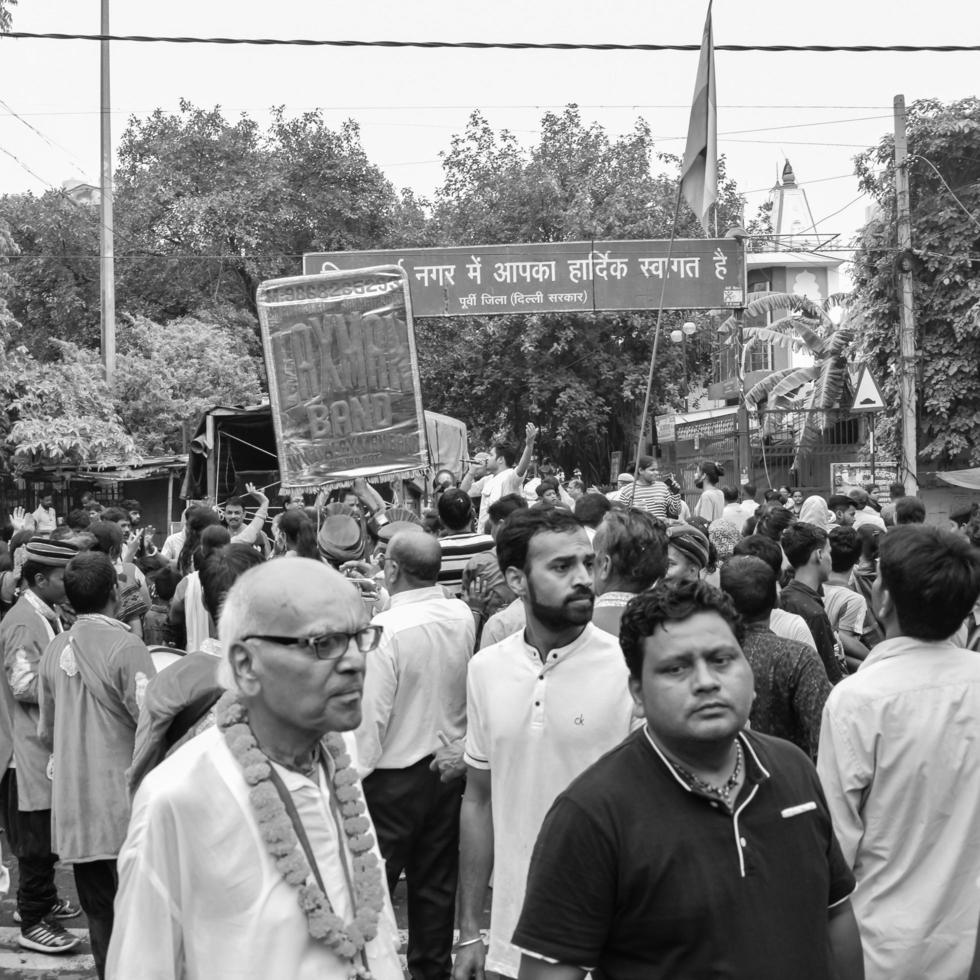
694 849
807 549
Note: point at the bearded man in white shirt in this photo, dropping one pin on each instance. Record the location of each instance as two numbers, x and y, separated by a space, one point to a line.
250 853
899 765
541 706
414 720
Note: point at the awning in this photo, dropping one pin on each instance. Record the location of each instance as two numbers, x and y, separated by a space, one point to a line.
968 479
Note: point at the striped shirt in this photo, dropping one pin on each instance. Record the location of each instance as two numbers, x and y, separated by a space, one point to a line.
655 498
457 550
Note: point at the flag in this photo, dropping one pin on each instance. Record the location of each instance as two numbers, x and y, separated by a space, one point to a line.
699 173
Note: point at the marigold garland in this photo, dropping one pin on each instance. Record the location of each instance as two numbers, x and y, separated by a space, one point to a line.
345 939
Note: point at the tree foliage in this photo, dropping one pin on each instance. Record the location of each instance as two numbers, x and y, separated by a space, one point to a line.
204 210
581 376
168 377
227 205
5 18
207 207
54 288
946 242
62 412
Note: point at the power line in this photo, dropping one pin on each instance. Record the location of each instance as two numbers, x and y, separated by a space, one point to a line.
496 45
962 206
20 163
413 107
50 142
804 184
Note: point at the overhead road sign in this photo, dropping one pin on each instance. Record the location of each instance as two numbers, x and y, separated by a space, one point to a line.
550 277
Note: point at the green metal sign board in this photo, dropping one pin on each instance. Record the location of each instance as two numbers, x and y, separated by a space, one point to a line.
549 277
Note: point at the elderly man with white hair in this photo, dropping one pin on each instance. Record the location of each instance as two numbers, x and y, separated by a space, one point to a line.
250 852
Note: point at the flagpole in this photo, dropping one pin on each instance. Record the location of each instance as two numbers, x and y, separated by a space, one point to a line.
698 183
656 334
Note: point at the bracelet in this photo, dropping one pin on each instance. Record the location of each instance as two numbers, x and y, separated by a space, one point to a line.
469 942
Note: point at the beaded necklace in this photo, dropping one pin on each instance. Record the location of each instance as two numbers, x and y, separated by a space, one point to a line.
723 792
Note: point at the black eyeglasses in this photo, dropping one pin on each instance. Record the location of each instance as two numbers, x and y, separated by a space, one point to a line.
328 646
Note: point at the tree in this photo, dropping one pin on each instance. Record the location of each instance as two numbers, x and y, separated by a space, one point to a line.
582 376
168 376
814 389
49 415
61 413
944 149
5 19
575 184
205 209
222 206
54 287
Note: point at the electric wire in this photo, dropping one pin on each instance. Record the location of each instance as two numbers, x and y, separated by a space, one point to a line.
492 45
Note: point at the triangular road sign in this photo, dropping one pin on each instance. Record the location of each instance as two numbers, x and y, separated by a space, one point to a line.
867 395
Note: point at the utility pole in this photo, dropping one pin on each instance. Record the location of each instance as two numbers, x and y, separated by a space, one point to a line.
106 255
906 313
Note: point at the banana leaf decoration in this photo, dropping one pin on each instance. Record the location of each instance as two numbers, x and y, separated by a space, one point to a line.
800 324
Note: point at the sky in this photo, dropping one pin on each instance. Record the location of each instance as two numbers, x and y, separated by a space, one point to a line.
817 110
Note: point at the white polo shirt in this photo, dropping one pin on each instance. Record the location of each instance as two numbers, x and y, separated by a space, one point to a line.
536 727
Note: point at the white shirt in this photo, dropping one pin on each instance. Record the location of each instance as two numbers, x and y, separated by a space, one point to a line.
899 763
496 486
536 727
45 518
173 546
868 515
734 513
415 684
790 626
186 915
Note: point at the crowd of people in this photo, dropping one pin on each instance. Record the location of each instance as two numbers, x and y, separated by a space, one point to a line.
662 738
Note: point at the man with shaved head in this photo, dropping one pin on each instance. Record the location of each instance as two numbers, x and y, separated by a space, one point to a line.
250 853
410 743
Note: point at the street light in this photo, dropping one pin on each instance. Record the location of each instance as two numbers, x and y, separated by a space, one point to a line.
689 329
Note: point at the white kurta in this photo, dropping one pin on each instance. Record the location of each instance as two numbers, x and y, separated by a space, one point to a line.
899 764
199 896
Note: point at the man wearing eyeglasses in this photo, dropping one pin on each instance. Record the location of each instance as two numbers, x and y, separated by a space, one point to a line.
410 743
225 839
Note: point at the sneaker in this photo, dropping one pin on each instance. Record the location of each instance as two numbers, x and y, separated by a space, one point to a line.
48 937
62 909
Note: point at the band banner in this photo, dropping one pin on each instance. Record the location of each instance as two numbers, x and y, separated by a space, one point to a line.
343 376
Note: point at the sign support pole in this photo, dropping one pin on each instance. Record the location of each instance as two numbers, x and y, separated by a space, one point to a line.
107 254
874 448
906 310
656 335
